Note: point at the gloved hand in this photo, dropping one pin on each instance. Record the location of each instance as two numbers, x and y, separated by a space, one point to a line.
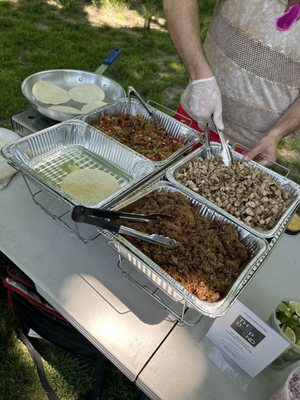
201 99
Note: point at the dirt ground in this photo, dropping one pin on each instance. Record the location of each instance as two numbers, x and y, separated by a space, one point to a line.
120 18
115 17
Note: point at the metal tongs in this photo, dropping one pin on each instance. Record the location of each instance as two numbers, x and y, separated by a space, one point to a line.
207 145
225 150
102 219
132 92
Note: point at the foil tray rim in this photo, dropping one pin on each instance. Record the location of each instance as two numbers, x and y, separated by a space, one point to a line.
31 173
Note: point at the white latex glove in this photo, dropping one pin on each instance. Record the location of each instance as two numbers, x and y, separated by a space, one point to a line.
202 99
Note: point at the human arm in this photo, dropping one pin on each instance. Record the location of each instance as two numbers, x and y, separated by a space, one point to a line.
202 97
287 124
184 28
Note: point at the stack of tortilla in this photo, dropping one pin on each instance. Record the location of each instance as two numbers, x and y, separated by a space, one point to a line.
88 95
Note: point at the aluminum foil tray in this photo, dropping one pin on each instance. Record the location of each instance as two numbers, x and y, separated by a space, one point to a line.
286 184
255 245
49 155
175 129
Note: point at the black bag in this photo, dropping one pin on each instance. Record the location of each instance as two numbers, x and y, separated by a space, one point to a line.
31 311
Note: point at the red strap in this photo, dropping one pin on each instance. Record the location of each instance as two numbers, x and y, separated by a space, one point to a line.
33 299
11 304
19 278
182 116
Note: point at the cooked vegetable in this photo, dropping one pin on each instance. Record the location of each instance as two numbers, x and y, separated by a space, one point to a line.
142 135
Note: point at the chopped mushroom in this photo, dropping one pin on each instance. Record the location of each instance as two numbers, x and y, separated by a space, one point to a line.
242 190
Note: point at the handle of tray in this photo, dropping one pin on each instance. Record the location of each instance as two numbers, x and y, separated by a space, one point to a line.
262 156
185 120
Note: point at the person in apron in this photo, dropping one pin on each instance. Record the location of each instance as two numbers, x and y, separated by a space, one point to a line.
247 74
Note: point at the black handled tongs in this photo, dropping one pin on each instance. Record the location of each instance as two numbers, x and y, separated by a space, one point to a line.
102 219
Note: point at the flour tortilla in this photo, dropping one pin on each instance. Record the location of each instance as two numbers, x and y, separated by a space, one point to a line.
65 109
86 93
92 106
49 93
89 185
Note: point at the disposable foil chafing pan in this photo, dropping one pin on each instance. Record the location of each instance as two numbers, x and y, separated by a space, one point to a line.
49 155
256 246
174 128
286 184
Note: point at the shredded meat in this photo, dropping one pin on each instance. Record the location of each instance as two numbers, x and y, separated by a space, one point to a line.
208 255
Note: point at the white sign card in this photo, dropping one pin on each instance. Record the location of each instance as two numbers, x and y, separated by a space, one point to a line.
246 339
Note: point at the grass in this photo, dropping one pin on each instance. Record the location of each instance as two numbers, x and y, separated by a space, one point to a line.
36 36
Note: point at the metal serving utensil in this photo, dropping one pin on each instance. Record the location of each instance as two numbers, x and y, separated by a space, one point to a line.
225 150
207 145
132 92
101 218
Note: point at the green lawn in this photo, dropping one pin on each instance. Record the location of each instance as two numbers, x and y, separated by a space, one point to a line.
36 36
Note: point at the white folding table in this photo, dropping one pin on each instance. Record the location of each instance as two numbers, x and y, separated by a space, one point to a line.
82 282
167 360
